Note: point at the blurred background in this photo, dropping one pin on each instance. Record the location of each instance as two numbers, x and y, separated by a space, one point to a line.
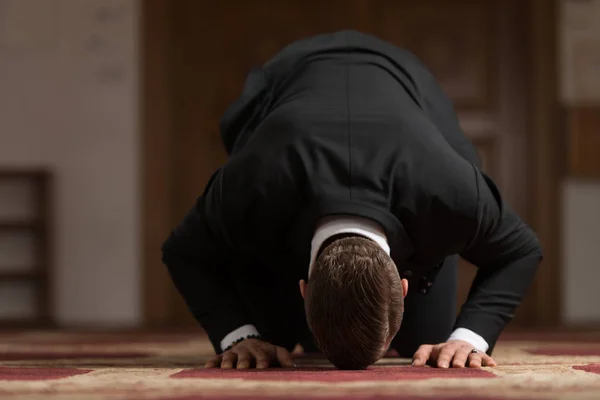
109 114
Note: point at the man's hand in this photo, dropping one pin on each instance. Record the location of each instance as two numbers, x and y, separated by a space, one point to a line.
252 352
455 353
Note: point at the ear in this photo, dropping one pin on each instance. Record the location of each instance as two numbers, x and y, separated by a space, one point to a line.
404 287
303 287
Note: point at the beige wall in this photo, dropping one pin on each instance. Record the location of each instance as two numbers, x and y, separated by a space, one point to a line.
581 252
579 50
69 101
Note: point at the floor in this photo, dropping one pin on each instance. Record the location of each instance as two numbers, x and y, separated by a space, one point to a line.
68 365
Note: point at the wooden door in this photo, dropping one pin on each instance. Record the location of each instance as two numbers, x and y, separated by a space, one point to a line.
474 48
477 52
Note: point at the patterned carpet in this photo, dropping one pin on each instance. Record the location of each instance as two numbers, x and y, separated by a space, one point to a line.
53 365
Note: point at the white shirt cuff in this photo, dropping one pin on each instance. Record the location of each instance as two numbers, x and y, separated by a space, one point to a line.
471 337
239 333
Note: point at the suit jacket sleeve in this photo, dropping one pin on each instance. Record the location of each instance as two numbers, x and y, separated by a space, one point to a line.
507 253
197 257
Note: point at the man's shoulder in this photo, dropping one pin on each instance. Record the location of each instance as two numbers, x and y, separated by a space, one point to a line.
343 40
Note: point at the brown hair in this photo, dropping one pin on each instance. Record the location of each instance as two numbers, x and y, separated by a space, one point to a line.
354 302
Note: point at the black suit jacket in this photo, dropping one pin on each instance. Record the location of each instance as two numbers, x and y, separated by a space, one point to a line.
346 123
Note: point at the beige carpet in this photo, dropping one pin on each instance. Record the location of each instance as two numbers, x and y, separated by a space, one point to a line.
47 365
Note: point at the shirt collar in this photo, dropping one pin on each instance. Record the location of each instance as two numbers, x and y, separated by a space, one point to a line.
339 224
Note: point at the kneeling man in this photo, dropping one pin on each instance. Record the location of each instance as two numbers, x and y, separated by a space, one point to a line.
349 175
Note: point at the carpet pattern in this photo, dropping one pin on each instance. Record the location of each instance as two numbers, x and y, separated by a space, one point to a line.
63 365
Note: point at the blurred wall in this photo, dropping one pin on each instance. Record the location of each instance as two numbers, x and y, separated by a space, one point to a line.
579 45
581 265
68 101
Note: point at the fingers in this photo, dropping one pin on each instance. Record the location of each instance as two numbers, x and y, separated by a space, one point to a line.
475 360
422 355
460 357
456 353
446 354
487 361
240 358
229 360
244 358
215 362
472 360
263 360
284 357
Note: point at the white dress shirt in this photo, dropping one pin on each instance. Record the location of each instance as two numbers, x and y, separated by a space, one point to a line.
335 225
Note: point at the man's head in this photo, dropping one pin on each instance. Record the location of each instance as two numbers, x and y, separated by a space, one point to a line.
354 301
